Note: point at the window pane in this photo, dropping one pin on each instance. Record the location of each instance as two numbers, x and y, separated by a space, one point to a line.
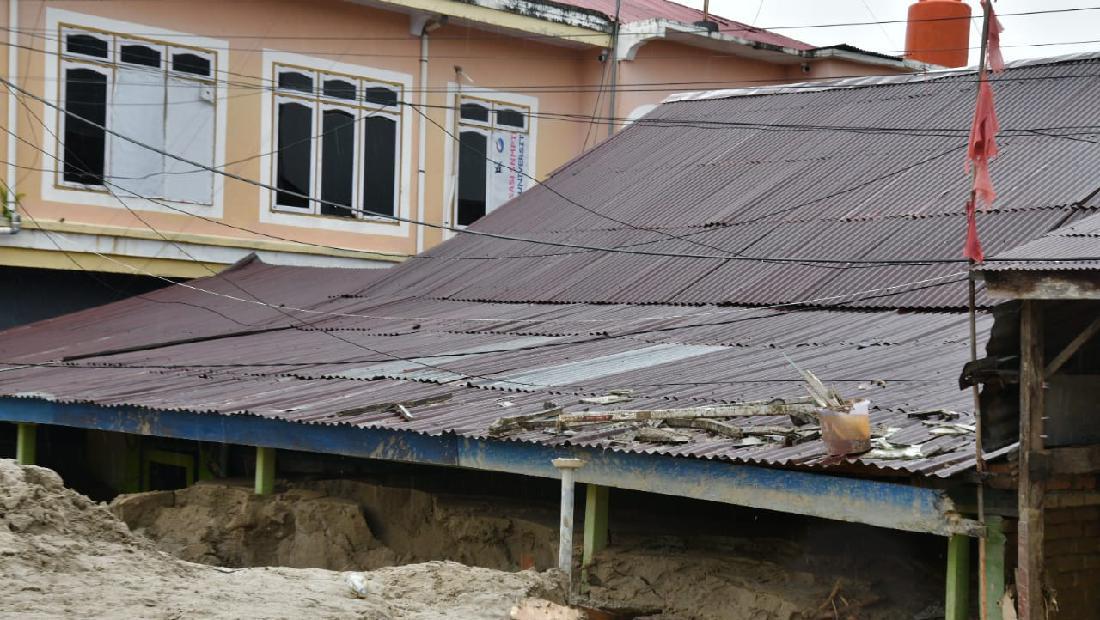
475 112
510 118
85 96
292 80
337 162
295 140
471 177
379 164
86 45
380 95
340 89
191 63
139 55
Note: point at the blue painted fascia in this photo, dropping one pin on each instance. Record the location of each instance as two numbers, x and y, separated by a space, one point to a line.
883 504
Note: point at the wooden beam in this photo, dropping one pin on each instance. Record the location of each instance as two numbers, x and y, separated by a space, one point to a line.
265 471
1074 459
1029 550
1065 284
1073 346
595 525
957 601
994 577
26 443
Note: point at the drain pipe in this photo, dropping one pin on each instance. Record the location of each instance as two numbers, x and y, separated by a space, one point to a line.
10 197
429 25
568 469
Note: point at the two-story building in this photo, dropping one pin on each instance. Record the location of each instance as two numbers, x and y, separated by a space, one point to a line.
172 138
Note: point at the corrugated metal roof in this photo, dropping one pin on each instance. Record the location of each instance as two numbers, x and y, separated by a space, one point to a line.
463 365
1075 246
478 328
872 172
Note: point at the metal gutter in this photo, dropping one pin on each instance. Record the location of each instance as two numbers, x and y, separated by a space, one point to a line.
870 502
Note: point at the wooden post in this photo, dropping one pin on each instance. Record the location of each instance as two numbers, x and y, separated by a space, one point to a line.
26 438
957 602
595 525
265 471
1029 550
994 577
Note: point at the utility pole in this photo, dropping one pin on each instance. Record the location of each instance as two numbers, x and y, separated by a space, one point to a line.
613 58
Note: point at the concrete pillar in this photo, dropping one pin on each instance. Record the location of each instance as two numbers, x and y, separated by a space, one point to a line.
595 525
26 439
957 603
568 468
265 471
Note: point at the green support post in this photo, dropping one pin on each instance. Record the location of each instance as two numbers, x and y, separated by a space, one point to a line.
595 525
957 604
265 471
994 577
26 443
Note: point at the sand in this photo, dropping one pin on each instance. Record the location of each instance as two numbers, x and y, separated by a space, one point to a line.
62 555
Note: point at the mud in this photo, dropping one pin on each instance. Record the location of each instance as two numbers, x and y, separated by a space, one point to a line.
62 555
339 525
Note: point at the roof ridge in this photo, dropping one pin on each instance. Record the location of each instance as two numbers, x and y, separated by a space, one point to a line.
869 81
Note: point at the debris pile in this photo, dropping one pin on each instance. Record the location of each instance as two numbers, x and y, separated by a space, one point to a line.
842 424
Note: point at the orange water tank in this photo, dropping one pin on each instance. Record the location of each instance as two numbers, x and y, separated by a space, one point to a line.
938 32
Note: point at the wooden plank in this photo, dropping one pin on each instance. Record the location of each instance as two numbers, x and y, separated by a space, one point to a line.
1074 459
1031 285
994 577
1074 345
595 525
957 602
265 471
26 443
1029 550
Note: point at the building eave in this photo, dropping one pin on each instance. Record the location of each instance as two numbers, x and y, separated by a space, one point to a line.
871 502
547 20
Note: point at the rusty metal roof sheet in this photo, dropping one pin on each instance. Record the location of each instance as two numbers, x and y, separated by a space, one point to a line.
470 363
734 185
1075 246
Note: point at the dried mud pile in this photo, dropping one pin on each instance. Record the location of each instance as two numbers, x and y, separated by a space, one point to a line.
63 555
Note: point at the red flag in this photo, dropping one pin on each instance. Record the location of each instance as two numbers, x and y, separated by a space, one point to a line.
996 60
983 145
973 247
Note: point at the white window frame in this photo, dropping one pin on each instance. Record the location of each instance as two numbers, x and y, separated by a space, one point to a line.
499 99
53 188
361 76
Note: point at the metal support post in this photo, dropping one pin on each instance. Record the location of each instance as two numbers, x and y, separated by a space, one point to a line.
26 443
265 471
568 468
957 604
595 525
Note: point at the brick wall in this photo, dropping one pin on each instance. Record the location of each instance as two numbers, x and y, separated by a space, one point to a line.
1072 546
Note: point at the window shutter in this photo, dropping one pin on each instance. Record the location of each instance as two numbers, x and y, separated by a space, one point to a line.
137 111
